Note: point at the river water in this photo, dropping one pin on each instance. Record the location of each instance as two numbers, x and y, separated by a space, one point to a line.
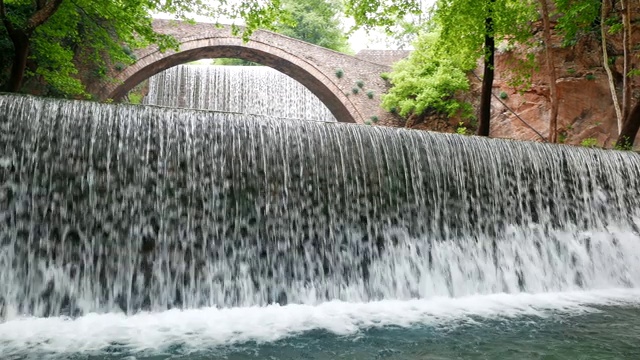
142 232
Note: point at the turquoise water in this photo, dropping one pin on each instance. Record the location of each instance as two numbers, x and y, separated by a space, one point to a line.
579 325
149 233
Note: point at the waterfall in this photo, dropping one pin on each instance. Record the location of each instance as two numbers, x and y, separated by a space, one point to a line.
255 90
110 208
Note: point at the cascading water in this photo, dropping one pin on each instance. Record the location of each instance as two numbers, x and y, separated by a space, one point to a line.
254 90
114 209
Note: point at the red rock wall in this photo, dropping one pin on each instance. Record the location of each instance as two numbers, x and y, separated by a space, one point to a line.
586 107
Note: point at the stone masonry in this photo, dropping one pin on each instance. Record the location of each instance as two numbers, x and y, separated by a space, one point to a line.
349 86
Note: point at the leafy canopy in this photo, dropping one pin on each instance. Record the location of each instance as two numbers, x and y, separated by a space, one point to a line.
316 22
449 46
429 80
104 32
313 21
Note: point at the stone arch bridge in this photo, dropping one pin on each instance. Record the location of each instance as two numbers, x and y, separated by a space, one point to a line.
352 97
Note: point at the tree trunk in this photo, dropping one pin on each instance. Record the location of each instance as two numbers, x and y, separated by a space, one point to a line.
605 62
20 56
630 128
21 38
487 79
551 70
626 47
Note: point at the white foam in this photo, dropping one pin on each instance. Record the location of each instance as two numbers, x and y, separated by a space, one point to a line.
206 328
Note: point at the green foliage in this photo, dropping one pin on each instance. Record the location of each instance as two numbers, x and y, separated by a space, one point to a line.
316 22
360 83
370 94
98 33
503 95
373 13
589 142
463 23
447 50
461 129
233 62
135 98
374 118
355 90
590 77
428 79
577 18
385 76
562 137
368 122
339 73
623 145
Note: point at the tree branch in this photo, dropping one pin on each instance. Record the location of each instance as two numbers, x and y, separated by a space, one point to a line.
5 20
45 10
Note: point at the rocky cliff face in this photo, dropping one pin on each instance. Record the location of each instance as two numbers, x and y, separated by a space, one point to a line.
586 108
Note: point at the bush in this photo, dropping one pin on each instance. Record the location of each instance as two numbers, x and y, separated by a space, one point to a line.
589 142
374 118
370 94
339 73
355 90
360 84
461 129
429 79
503 95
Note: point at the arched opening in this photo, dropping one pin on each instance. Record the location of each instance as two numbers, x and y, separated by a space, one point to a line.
234 86
316 82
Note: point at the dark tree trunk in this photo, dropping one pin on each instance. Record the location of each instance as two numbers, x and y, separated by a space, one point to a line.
20 56
630 128
21 38
487 79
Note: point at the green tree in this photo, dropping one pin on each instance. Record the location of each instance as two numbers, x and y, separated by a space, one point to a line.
48 34
313 21
467 29
473 27
316 22
429 79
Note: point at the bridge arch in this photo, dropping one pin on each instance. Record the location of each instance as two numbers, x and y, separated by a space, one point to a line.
312 66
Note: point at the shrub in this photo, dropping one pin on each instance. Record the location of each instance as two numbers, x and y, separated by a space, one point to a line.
374 118
429 80
355 90
503 95
589 142
360 84
370 94
461 129
339 73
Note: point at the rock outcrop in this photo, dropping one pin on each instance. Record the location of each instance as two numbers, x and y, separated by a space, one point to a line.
586 108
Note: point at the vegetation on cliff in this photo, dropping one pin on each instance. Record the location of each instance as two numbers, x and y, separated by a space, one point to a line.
472 28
